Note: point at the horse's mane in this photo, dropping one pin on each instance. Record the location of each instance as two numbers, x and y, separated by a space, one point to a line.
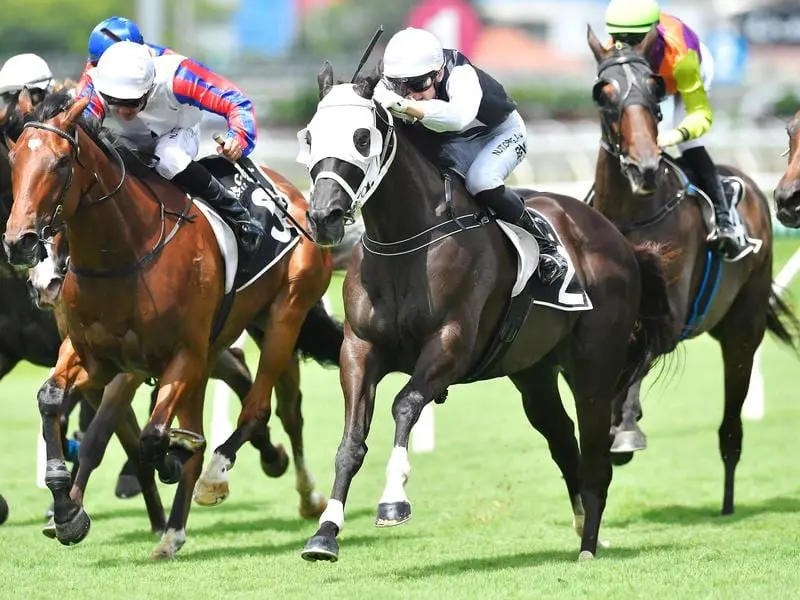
58 102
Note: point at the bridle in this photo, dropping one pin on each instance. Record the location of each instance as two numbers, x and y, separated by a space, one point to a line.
628 74
50 229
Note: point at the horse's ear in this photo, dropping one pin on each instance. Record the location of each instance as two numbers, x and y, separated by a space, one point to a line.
597 47
76 109
366 86
644 46
24 102
325 79
9 142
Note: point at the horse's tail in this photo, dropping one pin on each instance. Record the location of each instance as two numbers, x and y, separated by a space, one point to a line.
782 322
321 337
654 332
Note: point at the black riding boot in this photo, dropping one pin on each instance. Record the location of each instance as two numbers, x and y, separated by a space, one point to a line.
197 181
511 208
701 164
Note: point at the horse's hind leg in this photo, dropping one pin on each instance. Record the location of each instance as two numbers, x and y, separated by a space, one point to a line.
286 315
289 400
628 437
545 411
739 334
232 369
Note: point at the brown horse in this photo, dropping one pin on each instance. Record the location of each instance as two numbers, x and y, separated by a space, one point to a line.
429 293
27 333
144 289
787 194
647 199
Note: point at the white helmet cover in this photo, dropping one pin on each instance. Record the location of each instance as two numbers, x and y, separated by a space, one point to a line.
412 53
25 70
125 71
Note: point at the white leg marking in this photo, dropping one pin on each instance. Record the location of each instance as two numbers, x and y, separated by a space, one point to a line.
171 541
397 472
333 513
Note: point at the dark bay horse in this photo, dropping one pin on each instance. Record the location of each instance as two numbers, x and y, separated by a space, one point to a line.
648 200
428 304
149 287
787 193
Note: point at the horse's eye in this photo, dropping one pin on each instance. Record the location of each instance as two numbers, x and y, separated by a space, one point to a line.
361 140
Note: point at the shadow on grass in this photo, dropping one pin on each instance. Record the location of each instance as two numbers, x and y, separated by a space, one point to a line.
524 560
709 514
215 554
222 527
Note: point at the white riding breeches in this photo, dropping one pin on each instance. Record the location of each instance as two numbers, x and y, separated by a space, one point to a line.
674 110
175 149
487 159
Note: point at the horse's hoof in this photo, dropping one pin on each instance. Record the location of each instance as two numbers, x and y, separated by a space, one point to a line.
585 556
172 470
313 507
163 552
127 487
170 543
391 514
277 467
321 547
3 510
49 529
74 530
621 458
210 493
628 441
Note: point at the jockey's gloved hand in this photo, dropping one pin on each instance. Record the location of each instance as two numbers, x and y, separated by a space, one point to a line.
671 138
389 99
232 148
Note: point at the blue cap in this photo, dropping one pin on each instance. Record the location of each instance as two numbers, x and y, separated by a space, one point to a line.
111 31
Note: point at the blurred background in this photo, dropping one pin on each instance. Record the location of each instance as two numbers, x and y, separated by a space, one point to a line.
537 48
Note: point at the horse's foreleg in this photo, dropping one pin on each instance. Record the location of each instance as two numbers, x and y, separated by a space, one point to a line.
115 414
289 400
438 365
184 377
286 315
361 371
71 522
190 417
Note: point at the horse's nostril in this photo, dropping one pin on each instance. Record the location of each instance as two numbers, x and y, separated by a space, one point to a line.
334 216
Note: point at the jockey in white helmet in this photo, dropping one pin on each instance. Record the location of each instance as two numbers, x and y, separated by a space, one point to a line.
25 71
165 96
483 135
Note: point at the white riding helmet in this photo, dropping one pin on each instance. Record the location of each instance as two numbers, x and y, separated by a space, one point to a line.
412 53
125 71
25 70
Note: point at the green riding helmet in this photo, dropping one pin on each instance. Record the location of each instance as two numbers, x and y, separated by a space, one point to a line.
631 16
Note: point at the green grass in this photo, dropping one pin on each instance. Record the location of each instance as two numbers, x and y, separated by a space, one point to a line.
491 517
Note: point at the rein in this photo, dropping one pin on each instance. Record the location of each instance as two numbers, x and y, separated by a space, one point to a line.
49 230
